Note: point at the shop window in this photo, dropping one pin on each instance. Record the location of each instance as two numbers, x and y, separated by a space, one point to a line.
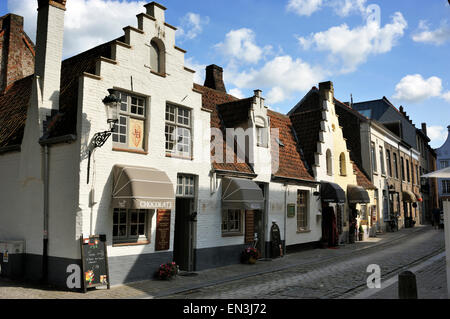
302 210
185 186
363 215
178 131
129 131
329 163
232 222
342 165
131 225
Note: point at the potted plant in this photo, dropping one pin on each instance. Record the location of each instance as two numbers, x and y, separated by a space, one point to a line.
249 255
360 233
167 271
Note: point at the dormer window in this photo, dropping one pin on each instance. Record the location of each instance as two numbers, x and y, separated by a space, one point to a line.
157 56
261 132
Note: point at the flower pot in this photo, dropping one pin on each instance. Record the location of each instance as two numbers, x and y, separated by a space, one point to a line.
252 260
361 237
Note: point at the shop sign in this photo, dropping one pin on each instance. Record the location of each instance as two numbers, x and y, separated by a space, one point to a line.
162 241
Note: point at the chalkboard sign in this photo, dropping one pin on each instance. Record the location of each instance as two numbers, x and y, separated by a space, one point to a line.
94 262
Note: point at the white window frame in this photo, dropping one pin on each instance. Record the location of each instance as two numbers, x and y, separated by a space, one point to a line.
178 133
237 216
446 186
121 128
185 185
128 223
302 210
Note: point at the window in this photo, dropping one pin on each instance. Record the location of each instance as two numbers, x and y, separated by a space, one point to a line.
417 174
374 158
186 186
261 136
342 167
407 171
446 186
232 221
444 164
302 210
395 165
129 132
329 163
402 168
383 170
178 131
363 214
130 225
157 57
388 162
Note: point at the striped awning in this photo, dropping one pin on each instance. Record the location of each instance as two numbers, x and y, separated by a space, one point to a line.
137 187
240 193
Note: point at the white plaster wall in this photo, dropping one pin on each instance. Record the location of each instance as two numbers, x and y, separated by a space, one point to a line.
175 87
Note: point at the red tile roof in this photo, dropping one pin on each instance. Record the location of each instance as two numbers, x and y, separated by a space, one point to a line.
287 161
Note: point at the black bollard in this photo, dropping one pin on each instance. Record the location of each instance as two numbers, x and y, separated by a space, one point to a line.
407 285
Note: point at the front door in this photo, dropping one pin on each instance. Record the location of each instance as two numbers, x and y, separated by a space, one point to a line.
254 229
183 245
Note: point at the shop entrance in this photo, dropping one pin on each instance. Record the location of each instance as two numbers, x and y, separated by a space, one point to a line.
183 241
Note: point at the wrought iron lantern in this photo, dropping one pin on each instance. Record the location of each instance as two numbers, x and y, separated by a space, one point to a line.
111 103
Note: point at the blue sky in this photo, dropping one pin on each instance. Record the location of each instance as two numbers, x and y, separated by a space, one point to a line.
370 49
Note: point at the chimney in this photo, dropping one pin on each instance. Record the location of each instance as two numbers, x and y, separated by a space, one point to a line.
16 51
214 78
156 10
49 46
326 91
424 128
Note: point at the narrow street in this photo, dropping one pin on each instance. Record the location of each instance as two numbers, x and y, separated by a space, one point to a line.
341 277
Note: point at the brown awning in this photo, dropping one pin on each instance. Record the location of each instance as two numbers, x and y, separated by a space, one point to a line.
409 197
357 194
141 188
240 193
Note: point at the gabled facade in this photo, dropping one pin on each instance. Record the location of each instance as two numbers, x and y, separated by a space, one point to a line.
321 137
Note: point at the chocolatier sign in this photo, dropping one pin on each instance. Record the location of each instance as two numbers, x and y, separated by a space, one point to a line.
162 241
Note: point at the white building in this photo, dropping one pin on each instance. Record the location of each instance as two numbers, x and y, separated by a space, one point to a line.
152 187
443 161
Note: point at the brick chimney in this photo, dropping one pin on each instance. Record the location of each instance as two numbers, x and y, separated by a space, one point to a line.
214 78
16 51
424 128
49 46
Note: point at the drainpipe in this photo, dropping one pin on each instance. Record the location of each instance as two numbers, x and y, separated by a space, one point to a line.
285 218
46 205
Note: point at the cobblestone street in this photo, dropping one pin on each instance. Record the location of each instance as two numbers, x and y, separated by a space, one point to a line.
318 273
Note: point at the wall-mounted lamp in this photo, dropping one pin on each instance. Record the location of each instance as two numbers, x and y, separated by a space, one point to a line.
111 103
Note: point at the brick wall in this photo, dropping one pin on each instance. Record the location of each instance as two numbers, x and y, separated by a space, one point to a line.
16 51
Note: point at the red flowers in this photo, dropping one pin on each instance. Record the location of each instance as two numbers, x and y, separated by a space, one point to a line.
168 270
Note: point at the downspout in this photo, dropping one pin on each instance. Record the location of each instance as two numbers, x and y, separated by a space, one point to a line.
46 213
285 218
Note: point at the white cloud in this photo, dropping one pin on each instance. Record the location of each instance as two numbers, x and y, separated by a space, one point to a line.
344 8
240 45
282 75
237 93
87 22
437 134
304 7
446 96
414 88
437 37
191 26
199 76
348 48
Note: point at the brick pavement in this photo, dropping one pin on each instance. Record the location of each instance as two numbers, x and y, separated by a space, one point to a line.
294 264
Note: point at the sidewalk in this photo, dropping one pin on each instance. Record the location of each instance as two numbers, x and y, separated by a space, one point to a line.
186 282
